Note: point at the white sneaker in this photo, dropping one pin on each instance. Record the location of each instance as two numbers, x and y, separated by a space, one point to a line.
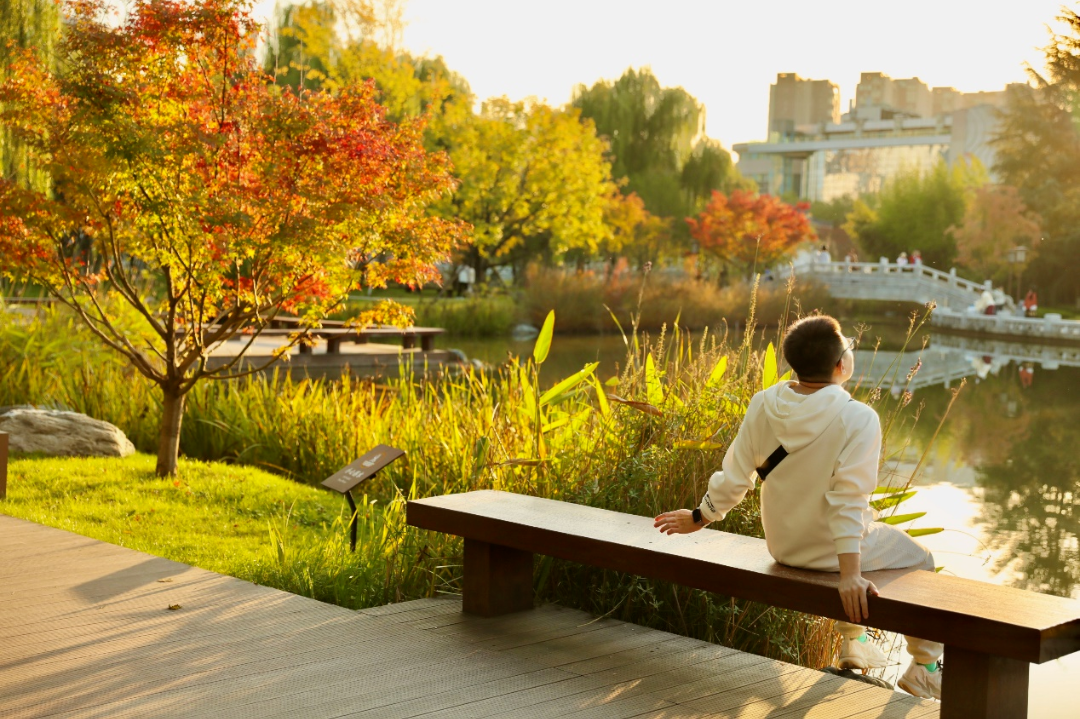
861 655
921 682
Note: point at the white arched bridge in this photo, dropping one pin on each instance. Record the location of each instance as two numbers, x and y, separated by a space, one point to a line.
955 298
900 283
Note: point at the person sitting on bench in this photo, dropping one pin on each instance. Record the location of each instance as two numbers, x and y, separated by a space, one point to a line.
815 506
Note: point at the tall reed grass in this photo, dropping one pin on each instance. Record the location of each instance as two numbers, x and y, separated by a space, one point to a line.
646 442
487 315
587 302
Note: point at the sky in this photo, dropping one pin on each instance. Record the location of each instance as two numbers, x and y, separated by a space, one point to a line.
726 53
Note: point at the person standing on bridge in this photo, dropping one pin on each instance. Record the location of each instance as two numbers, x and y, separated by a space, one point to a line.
815 506
1031 303
823 258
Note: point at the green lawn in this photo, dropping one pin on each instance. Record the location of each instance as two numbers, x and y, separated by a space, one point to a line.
1067 313
229 519
211 515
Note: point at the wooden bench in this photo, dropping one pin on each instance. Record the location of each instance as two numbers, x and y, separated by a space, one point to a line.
990 633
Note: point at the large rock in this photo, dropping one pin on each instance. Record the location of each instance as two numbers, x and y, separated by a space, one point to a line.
63 434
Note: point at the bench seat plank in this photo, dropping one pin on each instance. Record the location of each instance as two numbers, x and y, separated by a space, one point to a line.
958 612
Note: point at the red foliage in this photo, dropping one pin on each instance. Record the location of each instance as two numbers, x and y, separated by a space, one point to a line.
168 148
747 228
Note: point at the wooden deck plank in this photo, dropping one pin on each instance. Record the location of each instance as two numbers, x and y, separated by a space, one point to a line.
87 634
553 627
459 696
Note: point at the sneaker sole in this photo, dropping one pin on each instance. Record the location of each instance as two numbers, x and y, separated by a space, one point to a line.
900 683
852 663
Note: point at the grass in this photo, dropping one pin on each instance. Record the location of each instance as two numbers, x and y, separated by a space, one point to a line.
212 516
234 520
1067 313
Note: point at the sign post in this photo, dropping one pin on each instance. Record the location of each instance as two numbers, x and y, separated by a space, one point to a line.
356 472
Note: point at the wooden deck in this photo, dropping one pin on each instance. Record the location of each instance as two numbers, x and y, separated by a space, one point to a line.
86 631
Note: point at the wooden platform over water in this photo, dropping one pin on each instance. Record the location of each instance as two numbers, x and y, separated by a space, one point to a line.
86 631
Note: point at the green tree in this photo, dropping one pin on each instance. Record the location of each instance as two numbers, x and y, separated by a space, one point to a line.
995 222
1038 151
534 181
657 142
916 211
833 213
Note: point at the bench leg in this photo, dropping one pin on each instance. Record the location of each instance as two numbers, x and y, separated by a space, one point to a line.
498 580
427 343
3 464
981 686
408 341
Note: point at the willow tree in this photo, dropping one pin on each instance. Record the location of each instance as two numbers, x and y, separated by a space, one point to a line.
25 25
189 186
657 142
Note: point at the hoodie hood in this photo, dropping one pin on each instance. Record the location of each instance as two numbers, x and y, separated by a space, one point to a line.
798 419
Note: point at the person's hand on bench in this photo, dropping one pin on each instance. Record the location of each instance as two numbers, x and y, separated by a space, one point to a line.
681 521
854 587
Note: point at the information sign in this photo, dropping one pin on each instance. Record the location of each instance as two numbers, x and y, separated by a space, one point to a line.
363 468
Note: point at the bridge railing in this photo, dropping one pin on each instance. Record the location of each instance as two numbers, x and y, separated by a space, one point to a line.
891 269
1049 326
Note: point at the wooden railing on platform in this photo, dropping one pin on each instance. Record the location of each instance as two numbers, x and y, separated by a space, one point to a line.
990 633
335 332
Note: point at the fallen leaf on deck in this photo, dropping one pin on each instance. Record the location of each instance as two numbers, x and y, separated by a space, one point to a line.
173 607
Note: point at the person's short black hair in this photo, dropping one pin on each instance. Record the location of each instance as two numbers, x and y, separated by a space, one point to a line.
812 346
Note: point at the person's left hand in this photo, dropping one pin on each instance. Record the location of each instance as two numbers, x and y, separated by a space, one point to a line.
681 521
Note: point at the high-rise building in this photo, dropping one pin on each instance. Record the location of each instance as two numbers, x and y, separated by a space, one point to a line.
794 101
894 125
909 97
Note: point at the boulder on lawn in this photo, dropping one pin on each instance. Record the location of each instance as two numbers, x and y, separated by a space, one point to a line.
63 434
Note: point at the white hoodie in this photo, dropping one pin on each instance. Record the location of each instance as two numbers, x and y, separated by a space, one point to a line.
814 504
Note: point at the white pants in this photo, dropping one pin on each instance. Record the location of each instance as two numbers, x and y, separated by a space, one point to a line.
894 549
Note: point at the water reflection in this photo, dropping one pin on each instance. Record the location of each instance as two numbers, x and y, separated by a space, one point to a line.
1018 429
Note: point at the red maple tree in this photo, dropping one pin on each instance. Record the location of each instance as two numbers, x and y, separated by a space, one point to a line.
748 229
186 184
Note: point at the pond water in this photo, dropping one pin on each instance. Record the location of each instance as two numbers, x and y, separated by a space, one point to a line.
1002 477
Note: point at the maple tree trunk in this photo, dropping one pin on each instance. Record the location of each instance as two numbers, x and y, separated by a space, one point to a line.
172 415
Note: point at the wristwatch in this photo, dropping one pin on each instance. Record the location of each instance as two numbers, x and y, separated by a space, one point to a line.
696 514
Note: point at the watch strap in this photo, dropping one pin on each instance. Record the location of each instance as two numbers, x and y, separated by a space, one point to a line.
696 514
